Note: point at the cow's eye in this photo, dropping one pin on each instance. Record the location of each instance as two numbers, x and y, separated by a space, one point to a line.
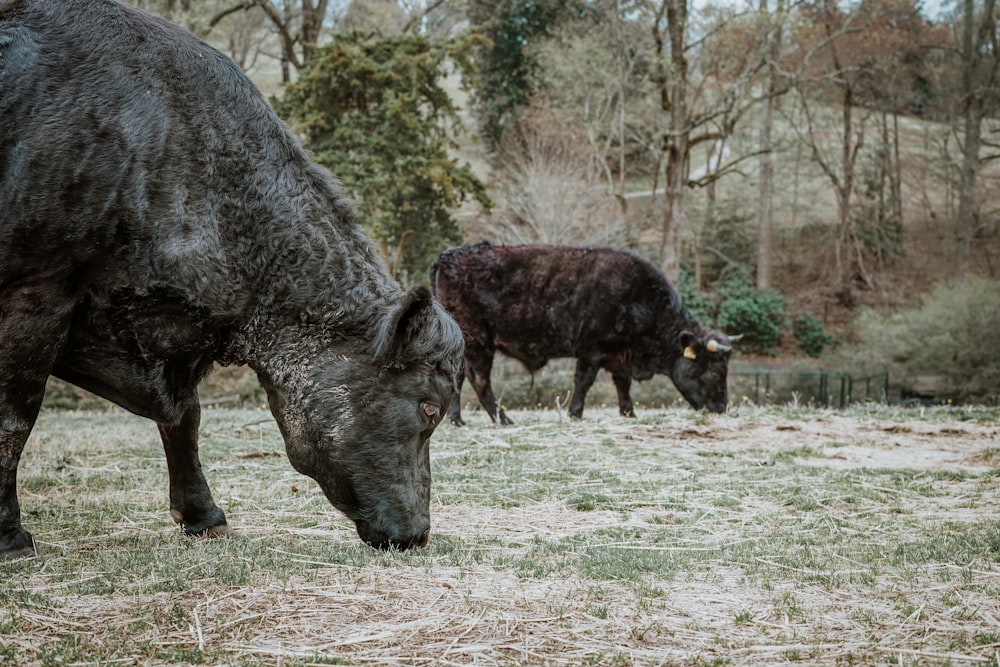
432 411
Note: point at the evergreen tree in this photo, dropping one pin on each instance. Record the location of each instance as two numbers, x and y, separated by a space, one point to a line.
374 112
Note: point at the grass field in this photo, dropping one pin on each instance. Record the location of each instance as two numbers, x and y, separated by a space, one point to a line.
760 537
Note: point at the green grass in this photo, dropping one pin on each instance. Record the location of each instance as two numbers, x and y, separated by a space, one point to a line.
678 536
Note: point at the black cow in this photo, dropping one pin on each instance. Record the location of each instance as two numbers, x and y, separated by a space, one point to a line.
607 308
156 217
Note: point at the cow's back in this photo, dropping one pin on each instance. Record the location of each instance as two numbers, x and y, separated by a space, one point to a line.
161 160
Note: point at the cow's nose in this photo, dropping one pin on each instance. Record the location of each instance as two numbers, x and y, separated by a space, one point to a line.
380 540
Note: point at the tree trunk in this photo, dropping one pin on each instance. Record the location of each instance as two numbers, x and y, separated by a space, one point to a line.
312 24
974 84
966 222
765 209
673 215
673 92
897 176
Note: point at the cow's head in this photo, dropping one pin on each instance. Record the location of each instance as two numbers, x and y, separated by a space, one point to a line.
700 370
357 416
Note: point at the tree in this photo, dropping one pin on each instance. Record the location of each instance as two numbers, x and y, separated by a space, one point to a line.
506 67
980 78
593 70
828 75
772 29
549 187
373 111
854 62
702 104
298 24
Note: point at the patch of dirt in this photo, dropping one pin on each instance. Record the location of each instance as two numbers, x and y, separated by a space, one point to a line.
847 442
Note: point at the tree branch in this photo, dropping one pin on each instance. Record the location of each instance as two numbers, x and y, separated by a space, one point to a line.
243 6
416 19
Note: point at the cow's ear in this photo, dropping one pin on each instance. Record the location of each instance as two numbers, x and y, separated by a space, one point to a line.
687 340
405 325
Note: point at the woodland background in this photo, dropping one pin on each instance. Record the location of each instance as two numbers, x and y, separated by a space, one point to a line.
817 175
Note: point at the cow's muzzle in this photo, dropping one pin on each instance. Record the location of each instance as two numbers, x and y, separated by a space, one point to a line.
386 543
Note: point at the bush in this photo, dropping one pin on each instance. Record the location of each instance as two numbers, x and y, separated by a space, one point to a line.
701 305
808 330
760 315
947 336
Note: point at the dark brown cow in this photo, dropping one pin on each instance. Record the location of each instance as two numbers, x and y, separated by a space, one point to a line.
606 308
157 217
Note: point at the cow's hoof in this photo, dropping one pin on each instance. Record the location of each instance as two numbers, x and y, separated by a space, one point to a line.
17 544
458 421
212 525
219 531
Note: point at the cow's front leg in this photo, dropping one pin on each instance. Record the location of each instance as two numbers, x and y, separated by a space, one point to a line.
583 380
191 503
34 318
478 366
18 410
623 384
15 542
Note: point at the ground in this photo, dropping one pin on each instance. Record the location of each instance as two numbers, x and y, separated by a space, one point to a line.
761 537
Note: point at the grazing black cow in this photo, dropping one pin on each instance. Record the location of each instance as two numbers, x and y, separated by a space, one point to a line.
607 308
156 217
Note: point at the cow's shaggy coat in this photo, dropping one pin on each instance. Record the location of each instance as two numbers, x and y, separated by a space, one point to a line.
606 308
157 217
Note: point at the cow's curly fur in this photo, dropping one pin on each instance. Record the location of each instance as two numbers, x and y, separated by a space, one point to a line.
156 217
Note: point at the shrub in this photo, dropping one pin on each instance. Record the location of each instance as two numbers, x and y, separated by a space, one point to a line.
948 336
808 330
701 305
760 315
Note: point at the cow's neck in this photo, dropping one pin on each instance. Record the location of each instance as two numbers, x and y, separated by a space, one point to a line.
325 284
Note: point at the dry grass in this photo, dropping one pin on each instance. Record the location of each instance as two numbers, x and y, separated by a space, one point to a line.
761 537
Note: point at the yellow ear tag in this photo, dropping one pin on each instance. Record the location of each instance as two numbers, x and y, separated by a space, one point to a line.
689 353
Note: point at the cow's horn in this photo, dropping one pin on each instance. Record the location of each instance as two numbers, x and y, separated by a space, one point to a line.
715 346
736 338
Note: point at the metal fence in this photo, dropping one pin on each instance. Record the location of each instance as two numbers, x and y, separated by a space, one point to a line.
827 388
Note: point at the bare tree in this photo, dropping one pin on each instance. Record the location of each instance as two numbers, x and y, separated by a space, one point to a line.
980 73
298 24
549 188
593 71
670 37
827 72
702 105
772 29
851 61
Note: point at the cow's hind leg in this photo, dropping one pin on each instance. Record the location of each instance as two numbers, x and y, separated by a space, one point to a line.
478 366
34 320
623 384
583 380
191 503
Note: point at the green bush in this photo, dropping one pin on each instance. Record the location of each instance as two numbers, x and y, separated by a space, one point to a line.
701 305
808 330
947 336
760 315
